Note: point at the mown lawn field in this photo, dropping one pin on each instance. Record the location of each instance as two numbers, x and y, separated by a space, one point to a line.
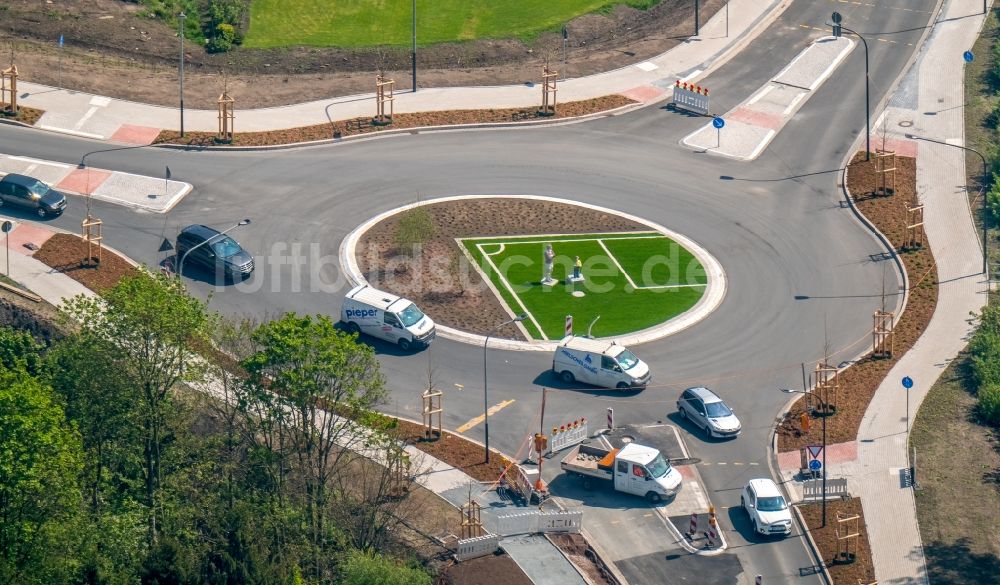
632 280
368 23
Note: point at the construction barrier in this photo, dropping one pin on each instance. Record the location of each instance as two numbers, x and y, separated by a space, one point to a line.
480 546
693 528
611 419
691 97
759 580
535 521
812 490
567 435
522 481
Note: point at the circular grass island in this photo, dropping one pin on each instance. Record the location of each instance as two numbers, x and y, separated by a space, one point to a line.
472 263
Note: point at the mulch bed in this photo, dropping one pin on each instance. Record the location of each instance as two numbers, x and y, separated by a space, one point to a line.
842 571
496 569
24 114
859 382
355 126
469 306
68 254
455 451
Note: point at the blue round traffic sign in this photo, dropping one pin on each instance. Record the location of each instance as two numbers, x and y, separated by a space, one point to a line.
968 56
815 464
718 122
907 382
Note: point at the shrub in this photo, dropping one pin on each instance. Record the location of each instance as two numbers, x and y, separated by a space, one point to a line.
225 34
993 199
416 226
989 403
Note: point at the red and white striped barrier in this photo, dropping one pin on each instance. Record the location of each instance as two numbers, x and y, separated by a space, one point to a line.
693 529
759 580
611 419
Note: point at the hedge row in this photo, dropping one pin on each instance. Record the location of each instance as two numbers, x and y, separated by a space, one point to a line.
985 362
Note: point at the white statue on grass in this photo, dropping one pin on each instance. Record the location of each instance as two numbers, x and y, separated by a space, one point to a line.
548 257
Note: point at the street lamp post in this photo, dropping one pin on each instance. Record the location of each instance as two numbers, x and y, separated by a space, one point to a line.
826 412
182 17
868 117
413 52
180 267
982 187
486 394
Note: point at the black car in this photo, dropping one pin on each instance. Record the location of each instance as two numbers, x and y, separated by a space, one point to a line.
30 193
214 251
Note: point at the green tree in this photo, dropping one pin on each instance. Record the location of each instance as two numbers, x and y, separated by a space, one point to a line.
308 368
19 348
40 461
359 568
151 323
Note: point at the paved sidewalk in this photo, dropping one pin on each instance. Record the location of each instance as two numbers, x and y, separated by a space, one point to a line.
121 121
931 97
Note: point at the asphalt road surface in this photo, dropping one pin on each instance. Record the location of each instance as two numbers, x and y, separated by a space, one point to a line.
800 268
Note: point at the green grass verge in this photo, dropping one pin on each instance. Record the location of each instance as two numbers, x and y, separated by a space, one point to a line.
369 23
655 286
958 470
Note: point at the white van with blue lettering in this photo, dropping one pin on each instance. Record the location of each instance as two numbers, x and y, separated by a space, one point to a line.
386 316
600 363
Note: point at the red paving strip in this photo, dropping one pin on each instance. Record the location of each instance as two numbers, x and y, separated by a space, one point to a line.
138 135
837 453
643 93
900 146
755 118
25 233
84 181
686 471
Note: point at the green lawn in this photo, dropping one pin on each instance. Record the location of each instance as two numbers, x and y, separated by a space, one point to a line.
369 23
632 280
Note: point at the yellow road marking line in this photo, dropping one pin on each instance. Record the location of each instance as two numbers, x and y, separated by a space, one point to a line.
491 410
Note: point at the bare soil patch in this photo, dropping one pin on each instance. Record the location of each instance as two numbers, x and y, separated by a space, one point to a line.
106 41
24 115
860 569
859 382
67 253
438 277
342 128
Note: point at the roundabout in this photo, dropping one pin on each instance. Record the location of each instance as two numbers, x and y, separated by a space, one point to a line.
480 260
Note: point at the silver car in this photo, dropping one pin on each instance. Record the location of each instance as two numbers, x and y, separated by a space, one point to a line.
705 409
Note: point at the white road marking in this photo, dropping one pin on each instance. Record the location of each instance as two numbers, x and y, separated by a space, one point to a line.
79 124
68 131
39 162
100 101
615 260
647 66
513 294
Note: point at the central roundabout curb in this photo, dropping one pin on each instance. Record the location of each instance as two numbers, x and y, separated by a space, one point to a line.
715 289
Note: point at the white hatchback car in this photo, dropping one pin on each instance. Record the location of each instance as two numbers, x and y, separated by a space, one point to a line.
768 511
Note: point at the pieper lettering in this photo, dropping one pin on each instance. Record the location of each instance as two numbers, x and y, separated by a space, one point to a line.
360 313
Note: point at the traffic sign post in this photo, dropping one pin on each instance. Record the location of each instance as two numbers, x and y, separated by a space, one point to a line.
968 56
6 227
836 18
719 124
907 384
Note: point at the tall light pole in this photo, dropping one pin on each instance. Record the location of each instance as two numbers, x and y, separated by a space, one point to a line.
182 17
826 413
413 52
486 394
868 116
180 267
982 187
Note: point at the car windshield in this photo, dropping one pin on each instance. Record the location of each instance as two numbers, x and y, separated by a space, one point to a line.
658 467
410 315
771 504
39 188
225 247
627 360
717 409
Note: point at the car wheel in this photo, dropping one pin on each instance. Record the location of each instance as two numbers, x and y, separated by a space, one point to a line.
623 386
653 497
354 328
682 412
404 344
743 504
41 212
756 529
708 430
568 377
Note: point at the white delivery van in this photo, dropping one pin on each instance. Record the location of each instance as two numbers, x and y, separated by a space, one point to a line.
386 316
599 362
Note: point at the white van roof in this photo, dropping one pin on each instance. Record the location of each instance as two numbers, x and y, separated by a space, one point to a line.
364 293
601 346
637 453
